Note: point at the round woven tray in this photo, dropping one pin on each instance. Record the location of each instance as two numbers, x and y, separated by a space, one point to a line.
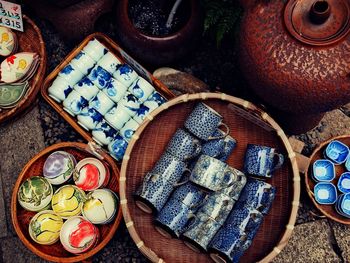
327 210
30 40
148 144
21 217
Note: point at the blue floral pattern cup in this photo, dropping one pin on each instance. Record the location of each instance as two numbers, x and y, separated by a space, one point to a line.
115 90
100 77
103 134
141 88
71 74
86 88
88 118
117 116
131 103
83 62
95 49
142 113
129 129
101 103
74 103
59 89
118 147
125 74
109 62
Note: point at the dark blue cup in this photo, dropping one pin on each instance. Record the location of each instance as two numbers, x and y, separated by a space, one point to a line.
220 148
189 194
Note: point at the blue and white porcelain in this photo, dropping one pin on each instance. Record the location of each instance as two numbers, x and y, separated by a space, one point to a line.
344 183
245 218
323 170
141 88
219 148
74 103
101 103
235 188
125 74
190 195
156 99
337 152
183 145
115 90
83 62
103 134
71 74
129 129
100 77
230 145
325 193
59 89
141 113
89 118
203 122
109 62
343 205
261 160
86 88
117 116
347 164
95 49
131 103
118 147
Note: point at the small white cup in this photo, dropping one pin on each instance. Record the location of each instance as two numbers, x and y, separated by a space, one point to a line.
109 62
101 103
89 118
100 77
129 129
115 90
103 133
141 88
83 62
118 147
86 88
71 74
95 49
142 113
117 117
131 103
59 89
74 103
125 74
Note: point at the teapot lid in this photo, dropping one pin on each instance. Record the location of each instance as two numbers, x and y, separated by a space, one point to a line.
318 22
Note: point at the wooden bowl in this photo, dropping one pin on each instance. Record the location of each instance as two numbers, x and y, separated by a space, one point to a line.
327 210
248 124
30 40
22 217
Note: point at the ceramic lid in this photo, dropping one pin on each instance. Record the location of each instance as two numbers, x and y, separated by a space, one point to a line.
318 22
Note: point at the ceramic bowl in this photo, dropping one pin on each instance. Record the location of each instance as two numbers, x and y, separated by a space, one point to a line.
325 193
343 205
58 167
8 43
344 183
347 164
67 201
45 227
35 193
101 206
78 235
90 174
337 152
323 170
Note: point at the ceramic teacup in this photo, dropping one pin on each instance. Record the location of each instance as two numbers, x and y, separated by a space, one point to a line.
235 189
103 133
59 89
183 145
74 103
337 152
88 118
189 194
219 148
100 77
155 99
344 183
141 113
325 193
262 160
86 88
141 88
118 147
117 117
203 121
101 103
109 62
95 49
83 62
131 103
129 129
343 205
125 74
71 74
115 90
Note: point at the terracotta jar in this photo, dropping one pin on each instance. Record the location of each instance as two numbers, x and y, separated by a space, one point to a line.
295 55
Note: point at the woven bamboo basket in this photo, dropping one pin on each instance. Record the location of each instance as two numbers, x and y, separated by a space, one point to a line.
31 41
22 217
247 124
327 210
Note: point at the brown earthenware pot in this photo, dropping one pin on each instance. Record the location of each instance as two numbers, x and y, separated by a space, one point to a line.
158 50
295 55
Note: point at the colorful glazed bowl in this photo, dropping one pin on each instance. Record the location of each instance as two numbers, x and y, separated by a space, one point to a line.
101 206
35 193
325 193
337 152
323 171
67 201
59 167
45 227
344 183
78 235
90 174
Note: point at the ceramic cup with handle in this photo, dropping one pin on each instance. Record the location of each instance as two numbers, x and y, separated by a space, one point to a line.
220 148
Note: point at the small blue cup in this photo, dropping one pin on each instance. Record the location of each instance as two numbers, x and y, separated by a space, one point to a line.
142 113
131 103
344 183
245 218
189 194
325 193
86 88
118 147
347 164
156 99
100 77
337 152
71 74
323 170
236 187
343 205
141 88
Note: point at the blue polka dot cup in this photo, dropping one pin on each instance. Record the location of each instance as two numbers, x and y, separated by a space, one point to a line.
83 62
118 147
125 74
109 62
88 118
95 49
86 88
100 77
262 161
71 74
141 88
129 129
59 89
101 103
115 90
117 116
74 103
203 122
103 133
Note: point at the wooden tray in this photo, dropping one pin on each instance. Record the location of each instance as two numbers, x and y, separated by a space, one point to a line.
114 48
327 210
31 41
22 217
149 142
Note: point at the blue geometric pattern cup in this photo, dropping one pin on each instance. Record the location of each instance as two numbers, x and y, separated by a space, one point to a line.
262 160
89 118
189 194
235 189
219 148
245 218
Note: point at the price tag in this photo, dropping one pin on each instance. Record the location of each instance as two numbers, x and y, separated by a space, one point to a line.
11 15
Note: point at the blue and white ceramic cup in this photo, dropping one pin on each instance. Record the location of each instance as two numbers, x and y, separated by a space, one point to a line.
83 62
118 147
183 145
343 205
103 134
101 103
235 189
86 88
59 89
189 194
219 148
115 90
344 183
262 160
109 62
131 103
88 118
129 129
203 122
245 218
337 152
156 99
126 75
325 193
71 74
141 113
74 103
141 88
117 116
95 49
100 77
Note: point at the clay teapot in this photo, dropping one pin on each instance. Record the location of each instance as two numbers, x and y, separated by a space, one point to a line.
295 55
